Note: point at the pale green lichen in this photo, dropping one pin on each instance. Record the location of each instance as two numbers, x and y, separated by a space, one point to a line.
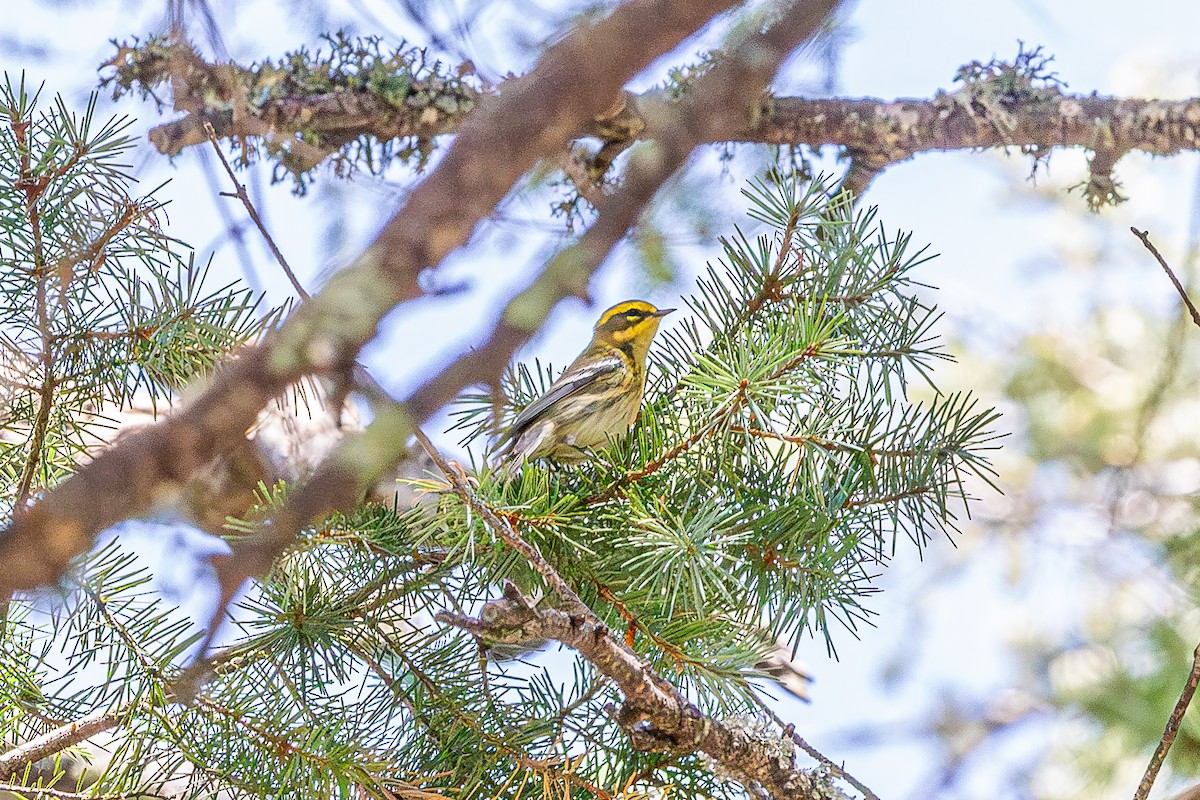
406 82
995 90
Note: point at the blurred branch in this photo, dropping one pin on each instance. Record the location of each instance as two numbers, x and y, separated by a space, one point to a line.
1145 237
532 117
1173 723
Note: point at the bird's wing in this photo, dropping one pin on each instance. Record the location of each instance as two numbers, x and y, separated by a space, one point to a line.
573 379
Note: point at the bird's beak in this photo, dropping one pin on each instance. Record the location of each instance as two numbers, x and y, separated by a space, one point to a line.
662 312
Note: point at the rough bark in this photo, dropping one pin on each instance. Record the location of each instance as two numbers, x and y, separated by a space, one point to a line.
1009 107
655 716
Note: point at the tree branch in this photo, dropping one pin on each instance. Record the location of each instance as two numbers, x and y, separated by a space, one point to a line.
989 110
44 793
1171 730
655 716
14 763
239 191
1162 262
834 768
505 530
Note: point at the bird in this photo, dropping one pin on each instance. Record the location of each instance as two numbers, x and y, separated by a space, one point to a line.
596 397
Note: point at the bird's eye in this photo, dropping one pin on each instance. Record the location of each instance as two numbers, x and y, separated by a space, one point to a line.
633 316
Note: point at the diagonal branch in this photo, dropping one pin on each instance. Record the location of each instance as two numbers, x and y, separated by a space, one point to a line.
657 726
833 767
1171 730
531 118
504 529
725 93
240 193
14 762
655 716
1187 301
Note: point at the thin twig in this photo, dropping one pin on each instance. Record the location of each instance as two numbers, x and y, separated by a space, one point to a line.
1145 237
1176 718
240 194
834 768
504 529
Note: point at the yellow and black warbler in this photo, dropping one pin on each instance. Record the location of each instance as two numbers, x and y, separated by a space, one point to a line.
597 396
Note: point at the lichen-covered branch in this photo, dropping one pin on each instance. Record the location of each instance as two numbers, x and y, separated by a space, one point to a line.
305 106
309 109
655 716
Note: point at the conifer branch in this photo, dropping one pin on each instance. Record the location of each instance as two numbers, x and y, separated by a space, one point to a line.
15 762
365 456
31 189
883 500
504 529
721 419
685 548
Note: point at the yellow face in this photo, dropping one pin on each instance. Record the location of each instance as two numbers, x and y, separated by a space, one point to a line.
633 321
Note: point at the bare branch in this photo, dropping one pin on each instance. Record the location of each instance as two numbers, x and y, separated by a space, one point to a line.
15 761
1173 723
240 193
1145 237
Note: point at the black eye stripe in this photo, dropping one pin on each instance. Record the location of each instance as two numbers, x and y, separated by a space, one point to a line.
623 320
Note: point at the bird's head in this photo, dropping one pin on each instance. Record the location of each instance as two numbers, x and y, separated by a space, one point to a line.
630 325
